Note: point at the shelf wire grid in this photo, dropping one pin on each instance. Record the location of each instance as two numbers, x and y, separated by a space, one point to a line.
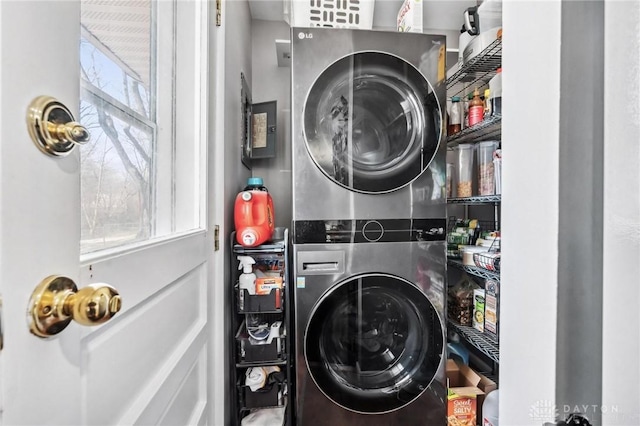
480 68
479 340
474 270
488 129
479 199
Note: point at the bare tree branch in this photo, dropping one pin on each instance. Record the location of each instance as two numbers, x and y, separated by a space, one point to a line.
136 144
107 124
137 97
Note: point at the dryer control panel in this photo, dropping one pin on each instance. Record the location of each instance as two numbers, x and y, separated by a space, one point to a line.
369 231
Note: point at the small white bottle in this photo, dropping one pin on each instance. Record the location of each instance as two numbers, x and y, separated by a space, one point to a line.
247 280
490 409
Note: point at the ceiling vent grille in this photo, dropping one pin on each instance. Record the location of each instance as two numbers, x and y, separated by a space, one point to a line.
331 13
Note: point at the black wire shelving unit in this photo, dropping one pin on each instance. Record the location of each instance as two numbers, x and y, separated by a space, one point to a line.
477 339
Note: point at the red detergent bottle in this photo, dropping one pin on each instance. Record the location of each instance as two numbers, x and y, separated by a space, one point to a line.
254 214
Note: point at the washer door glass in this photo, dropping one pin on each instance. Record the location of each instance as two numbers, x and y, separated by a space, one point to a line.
373 343
372 122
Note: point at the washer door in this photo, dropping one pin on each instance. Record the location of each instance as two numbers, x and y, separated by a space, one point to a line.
372 122
373 343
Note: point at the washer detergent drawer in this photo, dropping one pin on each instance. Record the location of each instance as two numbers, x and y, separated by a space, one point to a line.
320 262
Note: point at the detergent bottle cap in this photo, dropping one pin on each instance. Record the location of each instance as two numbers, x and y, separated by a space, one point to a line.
245 264
255 181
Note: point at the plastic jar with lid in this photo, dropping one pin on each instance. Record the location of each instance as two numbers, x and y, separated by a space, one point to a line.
495 87
455 118
465 170
486 174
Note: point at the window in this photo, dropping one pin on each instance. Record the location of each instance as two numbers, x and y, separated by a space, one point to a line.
140 88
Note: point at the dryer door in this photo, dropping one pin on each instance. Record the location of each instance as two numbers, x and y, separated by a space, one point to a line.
372 122
373 343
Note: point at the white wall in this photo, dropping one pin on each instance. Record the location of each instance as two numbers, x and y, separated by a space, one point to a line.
530 139
269 83
621 269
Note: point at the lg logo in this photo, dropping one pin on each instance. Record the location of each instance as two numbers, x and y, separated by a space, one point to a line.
303 35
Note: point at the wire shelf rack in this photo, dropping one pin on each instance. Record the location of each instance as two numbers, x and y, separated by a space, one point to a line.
479 340
474 270
488 260
479 199
479 69
487 129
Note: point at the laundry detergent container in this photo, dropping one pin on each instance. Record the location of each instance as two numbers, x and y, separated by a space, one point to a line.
254 214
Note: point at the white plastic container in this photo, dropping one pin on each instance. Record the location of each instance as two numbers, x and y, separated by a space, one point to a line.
356 14
490 14
468 251
450 171
490 409
463 41
479 19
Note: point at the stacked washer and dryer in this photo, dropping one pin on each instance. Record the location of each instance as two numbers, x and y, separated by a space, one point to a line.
369 227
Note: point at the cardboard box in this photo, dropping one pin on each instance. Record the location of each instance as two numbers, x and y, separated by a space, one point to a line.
467 390
491 308
478 309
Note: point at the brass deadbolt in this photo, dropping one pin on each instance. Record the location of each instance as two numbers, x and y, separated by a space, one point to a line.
53 128
57 300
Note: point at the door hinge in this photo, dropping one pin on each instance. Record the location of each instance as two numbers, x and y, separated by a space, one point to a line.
216 238
218 13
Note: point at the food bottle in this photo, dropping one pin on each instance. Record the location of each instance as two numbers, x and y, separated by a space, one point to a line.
487 103
466 112
476 109
455 121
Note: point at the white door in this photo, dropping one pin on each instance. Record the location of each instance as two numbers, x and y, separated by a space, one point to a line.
148 364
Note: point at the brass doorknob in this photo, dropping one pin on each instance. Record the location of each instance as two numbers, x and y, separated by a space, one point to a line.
69 132
56 301
53 128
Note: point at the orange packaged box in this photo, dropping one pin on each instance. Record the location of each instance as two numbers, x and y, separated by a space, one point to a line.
461 408
266 285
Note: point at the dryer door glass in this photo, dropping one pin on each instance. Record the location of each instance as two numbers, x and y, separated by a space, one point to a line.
373 343
372 122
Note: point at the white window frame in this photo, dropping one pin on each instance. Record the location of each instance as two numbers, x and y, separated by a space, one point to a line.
183 211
